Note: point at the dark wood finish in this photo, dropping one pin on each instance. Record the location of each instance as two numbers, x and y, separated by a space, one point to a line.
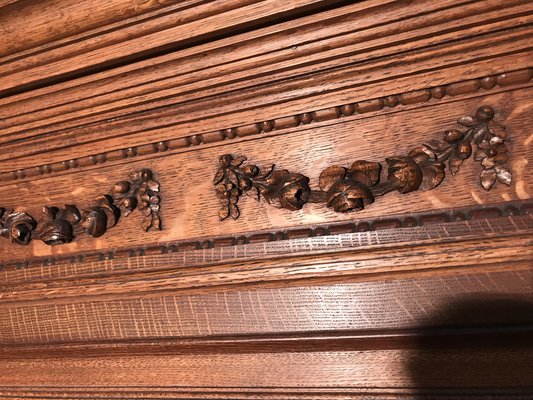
351 189
62 225
425 294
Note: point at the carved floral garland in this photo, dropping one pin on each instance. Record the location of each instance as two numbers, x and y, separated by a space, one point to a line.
62 225
351 189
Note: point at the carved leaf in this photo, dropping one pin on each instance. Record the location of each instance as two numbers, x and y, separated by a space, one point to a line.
467 121
232 176
234 211
329 176
432 175
152 222
437 145
479 154
365 172
480 133
153 186
223 213
488 177
504 175
266 172
498 131
488 162
237 161
422 153
454 164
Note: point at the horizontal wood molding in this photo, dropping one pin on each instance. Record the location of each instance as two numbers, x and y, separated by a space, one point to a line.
69 49
194 172
231 256
385 305
505 81
181 106
354 371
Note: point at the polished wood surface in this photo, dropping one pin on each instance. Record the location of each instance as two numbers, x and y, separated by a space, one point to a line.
425 294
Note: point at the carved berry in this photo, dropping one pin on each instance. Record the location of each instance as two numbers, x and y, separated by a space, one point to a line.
484 113
146 174
121 187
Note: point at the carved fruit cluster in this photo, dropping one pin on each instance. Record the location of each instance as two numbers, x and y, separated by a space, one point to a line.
281 188
141 192
351 189
61 225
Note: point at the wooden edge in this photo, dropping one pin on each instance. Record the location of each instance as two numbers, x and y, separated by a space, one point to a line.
252 244
283 125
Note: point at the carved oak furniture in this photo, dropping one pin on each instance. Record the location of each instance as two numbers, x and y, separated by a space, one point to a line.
383 250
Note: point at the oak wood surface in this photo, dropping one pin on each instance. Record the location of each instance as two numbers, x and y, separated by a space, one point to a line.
424 295
190 206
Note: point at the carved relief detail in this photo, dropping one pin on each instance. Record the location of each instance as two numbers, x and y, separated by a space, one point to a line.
62 225
351 189
487 83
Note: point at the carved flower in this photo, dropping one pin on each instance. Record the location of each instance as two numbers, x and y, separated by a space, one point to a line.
58 228
348 189
432 170
95 221
16 226
286 190
404 174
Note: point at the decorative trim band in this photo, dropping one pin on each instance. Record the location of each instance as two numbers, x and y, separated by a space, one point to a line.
61 225
442 217
351 189
419 96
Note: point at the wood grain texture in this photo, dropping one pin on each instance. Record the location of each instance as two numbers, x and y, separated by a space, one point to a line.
279 125
381 305
207 22
191 207
255 96
314 370
423 295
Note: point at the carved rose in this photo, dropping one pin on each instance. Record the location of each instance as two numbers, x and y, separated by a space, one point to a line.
432 170
95 221
57 231
58 227
349 196
286 190
404 174
16 226
348 189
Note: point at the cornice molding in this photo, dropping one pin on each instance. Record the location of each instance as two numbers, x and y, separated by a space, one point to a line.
62 225
437 93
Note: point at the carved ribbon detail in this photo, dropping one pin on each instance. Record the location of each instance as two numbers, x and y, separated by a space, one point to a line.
351 189
62 225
